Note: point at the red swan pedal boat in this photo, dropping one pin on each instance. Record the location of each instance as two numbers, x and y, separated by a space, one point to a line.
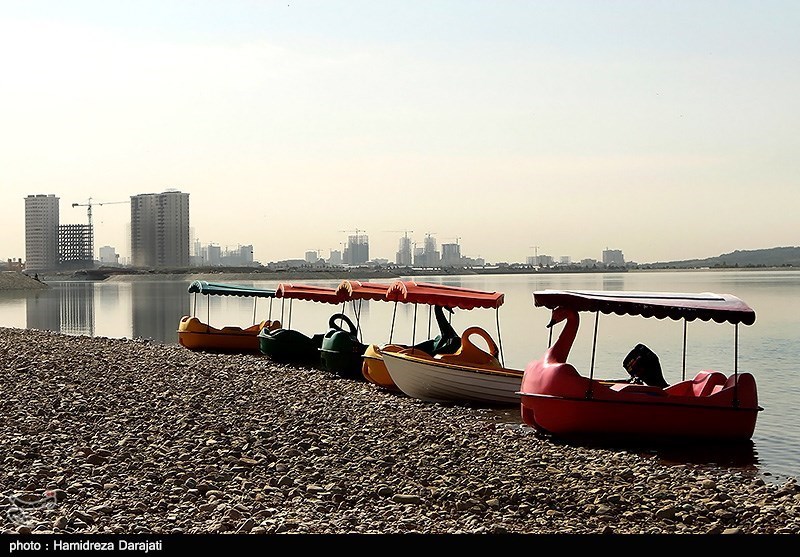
557 400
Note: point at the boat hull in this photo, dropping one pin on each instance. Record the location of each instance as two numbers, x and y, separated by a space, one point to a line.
431 380
290 346
633 420
559 401
373 368
196 335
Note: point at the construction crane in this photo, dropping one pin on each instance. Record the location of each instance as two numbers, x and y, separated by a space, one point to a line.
405 232
88 206
457 238
359 233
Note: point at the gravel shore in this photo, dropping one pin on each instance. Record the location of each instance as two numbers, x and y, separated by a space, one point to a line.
131 436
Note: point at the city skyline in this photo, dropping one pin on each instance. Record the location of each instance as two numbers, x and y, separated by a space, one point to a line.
665 130
429 252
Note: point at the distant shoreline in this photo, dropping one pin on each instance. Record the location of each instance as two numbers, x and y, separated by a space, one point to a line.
22 282
226 274
237 273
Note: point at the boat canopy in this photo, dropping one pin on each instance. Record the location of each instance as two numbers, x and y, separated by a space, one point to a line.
357 290
307 292
704 306
409 291
222 289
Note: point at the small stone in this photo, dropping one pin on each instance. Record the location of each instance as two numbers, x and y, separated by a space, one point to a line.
95 458
83 517
407 499
247 525
24 529
385 491
732 531
59 494
60 523
103 509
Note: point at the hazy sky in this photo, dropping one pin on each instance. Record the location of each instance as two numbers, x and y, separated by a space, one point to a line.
666 129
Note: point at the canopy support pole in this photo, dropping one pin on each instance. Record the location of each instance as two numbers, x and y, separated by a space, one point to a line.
430 313
270 310
414 330
499 338
685 323
594 349
357 313
255 303
736 366
394 314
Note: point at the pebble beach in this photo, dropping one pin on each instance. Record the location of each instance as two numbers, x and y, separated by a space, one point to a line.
124 436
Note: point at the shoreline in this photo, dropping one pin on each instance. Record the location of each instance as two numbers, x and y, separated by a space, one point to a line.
223 275
134 436
17 281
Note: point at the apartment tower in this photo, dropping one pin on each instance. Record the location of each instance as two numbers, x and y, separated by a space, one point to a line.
41 232
160 229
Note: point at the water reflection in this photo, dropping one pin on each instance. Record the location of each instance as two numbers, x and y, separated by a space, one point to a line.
43 310
69 309
157 310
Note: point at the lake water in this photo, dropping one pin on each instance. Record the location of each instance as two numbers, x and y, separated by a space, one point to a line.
770 349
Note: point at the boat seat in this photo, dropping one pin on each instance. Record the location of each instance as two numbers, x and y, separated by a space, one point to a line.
705 382
269 325
470 355
747 391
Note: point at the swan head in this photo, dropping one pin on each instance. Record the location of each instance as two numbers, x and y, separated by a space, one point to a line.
559 314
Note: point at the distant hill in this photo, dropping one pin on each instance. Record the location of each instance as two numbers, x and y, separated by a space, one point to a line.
770 257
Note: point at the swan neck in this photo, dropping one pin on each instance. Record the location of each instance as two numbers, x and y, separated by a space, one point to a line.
560 350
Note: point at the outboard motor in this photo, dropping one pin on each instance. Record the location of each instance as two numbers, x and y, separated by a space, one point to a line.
643 366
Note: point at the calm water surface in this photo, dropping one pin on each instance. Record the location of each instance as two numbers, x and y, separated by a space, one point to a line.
770 349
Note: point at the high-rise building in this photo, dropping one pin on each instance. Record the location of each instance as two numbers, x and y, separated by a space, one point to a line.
357 250
431 254
41 232
613 257
214 255
451 254
160 229
75 246
404 253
